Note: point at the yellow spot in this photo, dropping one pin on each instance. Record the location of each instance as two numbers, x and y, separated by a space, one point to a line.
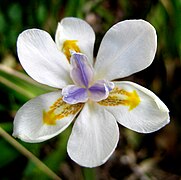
122 97
59 110
70 45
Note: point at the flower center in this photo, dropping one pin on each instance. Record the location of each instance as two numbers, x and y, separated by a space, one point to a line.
68 46
84 87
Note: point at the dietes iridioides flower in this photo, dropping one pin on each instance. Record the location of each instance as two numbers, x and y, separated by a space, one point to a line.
87 89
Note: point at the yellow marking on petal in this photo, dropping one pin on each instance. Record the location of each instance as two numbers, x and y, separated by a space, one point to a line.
59 110
68 46
120 96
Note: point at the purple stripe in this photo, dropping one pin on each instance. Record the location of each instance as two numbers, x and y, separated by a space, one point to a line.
97 88
82 69
73 94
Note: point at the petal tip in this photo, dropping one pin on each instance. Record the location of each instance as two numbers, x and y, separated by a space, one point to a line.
20 136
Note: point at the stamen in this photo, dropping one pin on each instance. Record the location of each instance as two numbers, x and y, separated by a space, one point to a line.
69 46
59 110
120 96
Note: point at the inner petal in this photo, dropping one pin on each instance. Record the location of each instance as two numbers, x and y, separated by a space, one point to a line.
73 94
82 71
100 90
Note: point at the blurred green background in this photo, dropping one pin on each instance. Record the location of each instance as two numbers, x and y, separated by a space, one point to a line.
137 156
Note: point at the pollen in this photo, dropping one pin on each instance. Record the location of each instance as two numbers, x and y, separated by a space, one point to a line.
60 110
68 46
120 96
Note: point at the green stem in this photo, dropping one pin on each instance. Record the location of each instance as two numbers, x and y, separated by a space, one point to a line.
15 73
15 87
29 155
23 77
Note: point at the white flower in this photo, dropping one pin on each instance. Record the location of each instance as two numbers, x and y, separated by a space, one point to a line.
88 91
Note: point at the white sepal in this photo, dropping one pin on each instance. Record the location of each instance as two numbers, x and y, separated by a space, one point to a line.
94 136
29 125
149 115
128 47
39 56
76 29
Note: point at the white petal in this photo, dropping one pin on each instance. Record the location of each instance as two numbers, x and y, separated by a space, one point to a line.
128 47
149 115
76 29
94 136
41 59
30 124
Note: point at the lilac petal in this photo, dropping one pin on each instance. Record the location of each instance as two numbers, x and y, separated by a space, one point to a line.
82 71
100 90
73 94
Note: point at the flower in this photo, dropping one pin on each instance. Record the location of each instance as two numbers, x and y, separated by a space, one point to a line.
88 90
